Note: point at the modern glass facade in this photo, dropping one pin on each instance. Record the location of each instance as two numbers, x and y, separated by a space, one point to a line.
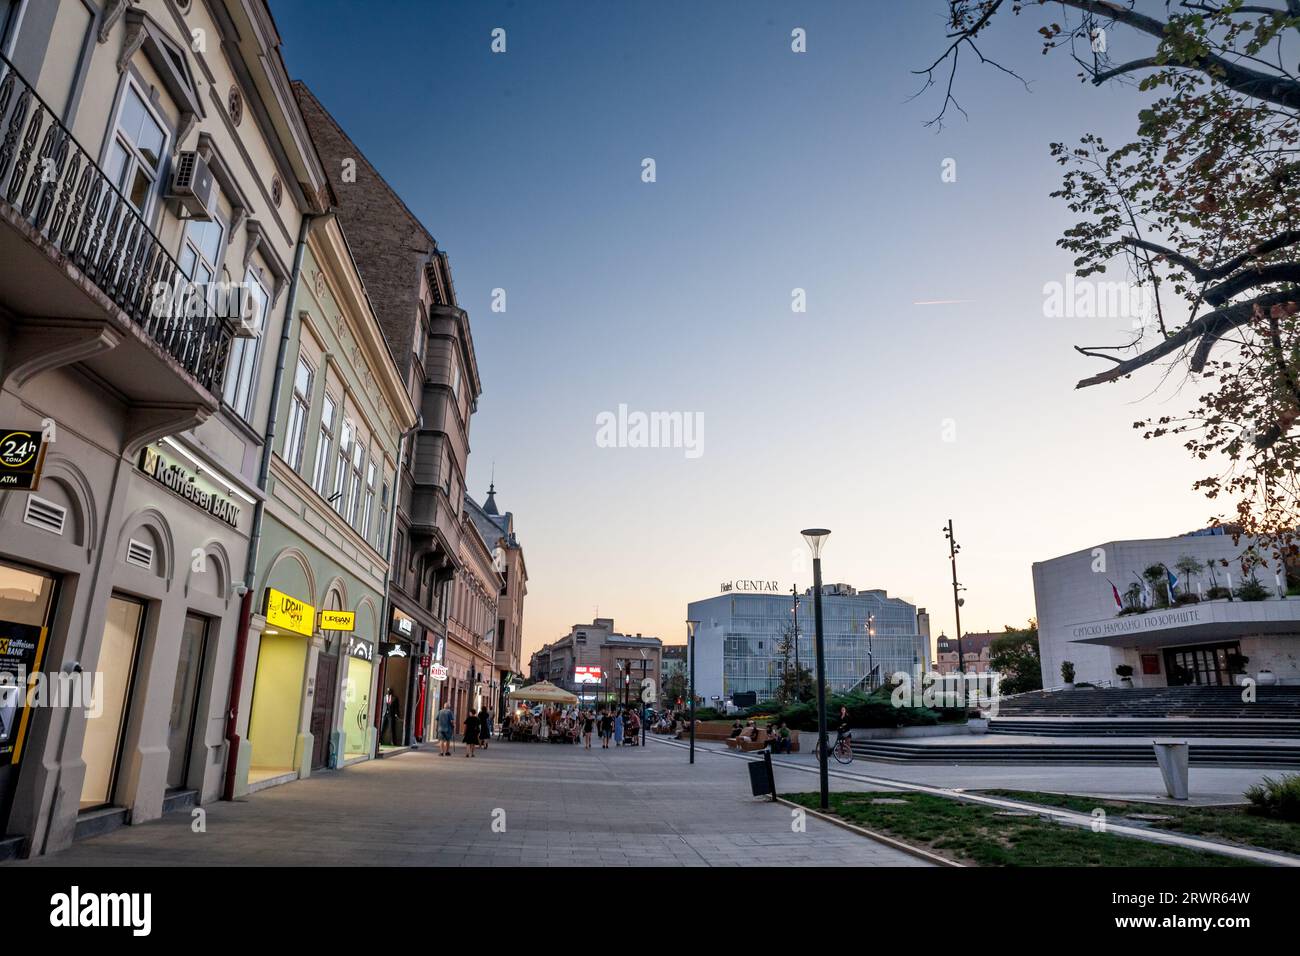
747 635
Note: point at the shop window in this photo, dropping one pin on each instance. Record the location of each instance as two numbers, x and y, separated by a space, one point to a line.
115 672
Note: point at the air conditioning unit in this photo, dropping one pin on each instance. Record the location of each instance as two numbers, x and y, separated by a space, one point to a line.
193 186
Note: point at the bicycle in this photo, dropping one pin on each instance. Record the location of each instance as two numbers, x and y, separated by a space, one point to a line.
841 749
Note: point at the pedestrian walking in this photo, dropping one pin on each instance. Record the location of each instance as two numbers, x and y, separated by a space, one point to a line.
606 729
446 726
484 726
471 733
618 728
588 719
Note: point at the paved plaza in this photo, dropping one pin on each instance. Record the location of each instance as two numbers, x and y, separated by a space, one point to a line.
562 806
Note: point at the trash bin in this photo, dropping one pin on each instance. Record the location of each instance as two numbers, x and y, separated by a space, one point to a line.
761 780
1171 755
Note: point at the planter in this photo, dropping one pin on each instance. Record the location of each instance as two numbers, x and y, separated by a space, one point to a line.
1126 682
1264 678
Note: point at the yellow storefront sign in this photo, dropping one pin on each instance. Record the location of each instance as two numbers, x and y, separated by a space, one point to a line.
338 620
289 613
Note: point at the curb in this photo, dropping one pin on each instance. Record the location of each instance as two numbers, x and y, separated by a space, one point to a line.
873 835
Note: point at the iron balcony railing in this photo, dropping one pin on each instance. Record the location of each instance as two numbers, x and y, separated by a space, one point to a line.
53 184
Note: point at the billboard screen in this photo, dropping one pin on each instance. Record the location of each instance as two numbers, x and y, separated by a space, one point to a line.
586 674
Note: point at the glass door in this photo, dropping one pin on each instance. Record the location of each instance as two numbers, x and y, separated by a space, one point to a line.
185 700
116 671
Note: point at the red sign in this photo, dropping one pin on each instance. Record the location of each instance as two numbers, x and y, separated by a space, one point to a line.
438 672
587 674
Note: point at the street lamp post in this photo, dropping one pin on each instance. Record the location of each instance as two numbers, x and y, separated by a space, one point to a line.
798 677
957 602
690 641
871 657
816 537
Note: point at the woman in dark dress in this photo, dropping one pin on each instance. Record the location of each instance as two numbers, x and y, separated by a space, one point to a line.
471 733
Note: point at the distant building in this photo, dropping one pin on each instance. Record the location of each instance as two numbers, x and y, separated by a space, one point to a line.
599 664
498 530
743 640
976 651
1204 638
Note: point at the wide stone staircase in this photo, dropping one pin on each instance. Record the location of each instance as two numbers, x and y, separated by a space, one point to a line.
1229 732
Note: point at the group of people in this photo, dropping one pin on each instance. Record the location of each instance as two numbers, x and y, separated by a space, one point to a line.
569 725
777 732
477 730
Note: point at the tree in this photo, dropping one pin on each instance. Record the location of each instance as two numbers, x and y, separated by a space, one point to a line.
1202 208
1014 655
675 684
1189 569
796 686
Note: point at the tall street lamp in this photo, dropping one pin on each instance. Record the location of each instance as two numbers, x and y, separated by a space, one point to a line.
816 537
690 643
957 600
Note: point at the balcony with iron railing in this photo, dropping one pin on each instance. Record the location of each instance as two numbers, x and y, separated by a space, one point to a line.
84 279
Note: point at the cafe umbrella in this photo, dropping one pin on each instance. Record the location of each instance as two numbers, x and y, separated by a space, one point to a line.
544 692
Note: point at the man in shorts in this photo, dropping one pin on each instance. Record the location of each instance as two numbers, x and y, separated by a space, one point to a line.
446 725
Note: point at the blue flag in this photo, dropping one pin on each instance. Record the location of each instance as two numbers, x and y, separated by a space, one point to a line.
1173 584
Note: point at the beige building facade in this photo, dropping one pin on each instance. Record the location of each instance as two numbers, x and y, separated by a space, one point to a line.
152 147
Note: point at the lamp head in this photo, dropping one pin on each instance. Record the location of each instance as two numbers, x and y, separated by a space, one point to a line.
815 537
690 629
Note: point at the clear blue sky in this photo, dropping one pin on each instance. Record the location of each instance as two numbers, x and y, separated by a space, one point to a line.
775 170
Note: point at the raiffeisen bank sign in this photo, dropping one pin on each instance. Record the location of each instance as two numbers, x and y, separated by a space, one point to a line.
744 584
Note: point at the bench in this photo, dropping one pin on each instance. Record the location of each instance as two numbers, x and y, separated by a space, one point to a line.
705 733
764 739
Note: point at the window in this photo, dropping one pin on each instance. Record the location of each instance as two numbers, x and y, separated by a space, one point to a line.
137 147
354 492
381 535
243 353
296 435
455 381
341 471
201 250
370 500
320 479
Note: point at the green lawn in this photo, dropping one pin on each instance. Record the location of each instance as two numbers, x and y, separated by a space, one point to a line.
977 835
1226 824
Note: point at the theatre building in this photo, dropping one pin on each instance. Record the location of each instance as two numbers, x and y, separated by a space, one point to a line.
1115 614
137 161
309 672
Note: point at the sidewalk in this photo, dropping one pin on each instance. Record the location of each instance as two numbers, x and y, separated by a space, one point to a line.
560 806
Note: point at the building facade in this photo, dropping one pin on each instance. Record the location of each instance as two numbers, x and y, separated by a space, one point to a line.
309 693
600 665
471 626
976 652
1218 627
498 530
408 279
744 640
159 176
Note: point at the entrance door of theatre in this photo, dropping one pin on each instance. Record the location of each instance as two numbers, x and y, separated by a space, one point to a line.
1204 665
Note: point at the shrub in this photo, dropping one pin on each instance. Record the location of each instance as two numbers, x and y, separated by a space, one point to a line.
1067 671
1217 593
1276 797
1187 599
1252 590
1124 670
865 710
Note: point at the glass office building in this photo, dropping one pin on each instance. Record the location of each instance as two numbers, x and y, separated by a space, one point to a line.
743 640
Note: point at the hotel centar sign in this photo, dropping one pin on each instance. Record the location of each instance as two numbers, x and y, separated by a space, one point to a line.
283 611
743 585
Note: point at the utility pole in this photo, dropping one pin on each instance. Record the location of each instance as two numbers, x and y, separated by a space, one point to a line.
953 548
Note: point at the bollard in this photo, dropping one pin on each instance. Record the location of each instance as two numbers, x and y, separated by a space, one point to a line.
1171 755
